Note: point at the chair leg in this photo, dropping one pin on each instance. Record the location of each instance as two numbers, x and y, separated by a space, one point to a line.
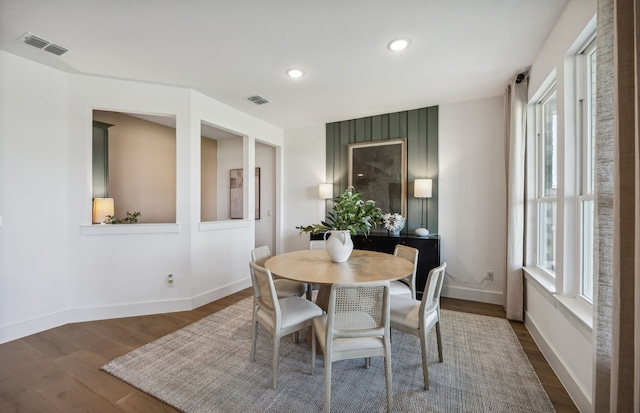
387 372
313 349
367 362
254 338
327 383
425 366
439 337
296 337
276 359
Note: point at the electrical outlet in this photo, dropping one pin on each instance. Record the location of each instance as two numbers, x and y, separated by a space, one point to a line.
170 281
489 276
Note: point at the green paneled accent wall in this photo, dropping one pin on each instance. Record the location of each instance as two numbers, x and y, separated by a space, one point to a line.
419 127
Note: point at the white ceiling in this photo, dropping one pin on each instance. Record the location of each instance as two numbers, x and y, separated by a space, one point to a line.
231 49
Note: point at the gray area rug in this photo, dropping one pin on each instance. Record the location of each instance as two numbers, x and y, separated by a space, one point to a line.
205 367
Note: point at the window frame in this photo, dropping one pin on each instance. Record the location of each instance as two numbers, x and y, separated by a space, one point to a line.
540 196
563 292
585 103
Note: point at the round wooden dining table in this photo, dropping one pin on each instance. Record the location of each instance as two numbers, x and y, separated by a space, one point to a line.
315 267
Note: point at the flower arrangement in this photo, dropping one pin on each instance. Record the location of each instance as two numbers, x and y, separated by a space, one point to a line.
393 222
349 213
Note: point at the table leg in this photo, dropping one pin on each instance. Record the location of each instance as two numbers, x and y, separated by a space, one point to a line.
322 300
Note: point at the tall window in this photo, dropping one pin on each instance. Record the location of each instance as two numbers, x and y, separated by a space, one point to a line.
586 94
547 132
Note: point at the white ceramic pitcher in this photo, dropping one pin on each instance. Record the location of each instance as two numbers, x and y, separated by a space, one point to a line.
339 245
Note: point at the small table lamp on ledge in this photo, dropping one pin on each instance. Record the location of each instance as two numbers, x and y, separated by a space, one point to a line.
422 188
326 191
101 208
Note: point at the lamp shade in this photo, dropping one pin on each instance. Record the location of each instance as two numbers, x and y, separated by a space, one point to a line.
101 208
422 188
326 191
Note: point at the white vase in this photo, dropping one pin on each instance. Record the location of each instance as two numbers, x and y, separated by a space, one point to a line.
339 245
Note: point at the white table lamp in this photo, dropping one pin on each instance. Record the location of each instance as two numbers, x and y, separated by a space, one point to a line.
422 188
326 191
101 208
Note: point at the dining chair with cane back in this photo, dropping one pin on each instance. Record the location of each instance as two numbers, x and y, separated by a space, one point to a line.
406 287
356 326
419 317
284 288
280 317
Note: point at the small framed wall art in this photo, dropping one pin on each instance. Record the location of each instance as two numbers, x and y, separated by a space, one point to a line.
236 185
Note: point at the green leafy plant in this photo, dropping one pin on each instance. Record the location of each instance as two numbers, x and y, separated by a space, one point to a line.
349 213
131 218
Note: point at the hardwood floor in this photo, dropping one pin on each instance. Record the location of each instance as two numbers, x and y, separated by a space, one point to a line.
58 370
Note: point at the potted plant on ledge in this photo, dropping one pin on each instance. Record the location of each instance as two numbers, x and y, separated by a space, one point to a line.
349 215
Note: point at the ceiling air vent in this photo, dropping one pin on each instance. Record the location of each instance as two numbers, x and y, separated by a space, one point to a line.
257 99
43 44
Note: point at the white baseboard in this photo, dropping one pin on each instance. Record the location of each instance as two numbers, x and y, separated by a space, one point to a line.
577 394
491 297
35 325
80 314
218 293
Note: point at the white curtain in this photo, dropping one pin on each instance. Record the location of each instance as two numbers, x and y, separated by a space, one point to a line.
617 246
515 144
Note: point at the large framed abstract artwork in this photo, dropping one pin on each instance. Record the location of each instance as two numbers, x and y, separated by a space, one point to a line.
236 184
378 170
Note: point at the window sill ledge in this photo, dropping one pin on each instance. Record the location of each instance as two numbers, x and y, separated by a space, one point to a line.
540 279
123 229
578 312
541 282
223 225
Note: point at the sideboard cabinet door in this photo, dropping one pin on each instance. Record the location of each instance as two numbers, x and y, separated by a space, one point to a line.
428 258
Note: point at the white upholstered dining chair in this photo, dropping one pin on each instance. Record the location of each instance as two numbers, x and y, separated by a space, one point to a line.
419 317
356 325
284 287
280 317
406 287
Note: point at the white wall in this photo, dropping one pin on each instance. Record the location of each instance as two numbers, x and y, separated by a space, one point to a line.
55 266
564 342
472 198
34 267
563 338
304 169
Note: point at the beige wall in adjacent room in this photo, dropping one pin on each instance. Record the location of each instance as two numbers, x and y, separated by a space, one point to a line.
266 225
209 179
142 167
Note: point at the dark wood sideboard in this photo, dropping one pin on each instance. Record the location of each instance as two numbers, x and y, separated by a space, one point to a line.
428 258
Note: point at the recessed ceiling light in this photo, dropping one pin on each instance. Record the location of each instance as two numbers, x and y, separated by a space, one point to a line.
398 45
295 73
